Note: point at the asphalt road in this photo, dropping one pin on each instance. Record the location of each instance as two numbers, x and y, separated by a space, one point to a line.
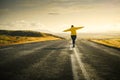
55 60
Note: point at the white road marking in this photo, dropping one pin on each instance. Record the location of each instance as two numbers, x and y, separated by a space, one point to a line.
81 65
74 70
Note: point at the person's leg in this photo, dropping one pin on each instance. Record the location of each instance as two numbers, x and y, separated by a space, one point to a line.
73 40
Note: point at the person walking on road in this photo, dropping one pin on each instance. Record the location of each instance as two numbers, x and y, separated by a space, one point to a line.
73 33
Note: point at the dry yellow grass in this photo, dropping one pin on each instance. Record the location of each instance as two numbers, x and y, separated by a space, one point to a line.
109 42
37 39
10 40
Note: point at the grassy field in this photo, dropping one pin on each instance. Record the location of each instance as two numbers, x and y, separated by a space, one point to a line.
9 37
115 42
9 40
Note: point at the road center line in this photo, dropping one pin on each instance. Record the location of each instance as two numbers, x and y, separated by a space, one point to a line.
74 69
80 63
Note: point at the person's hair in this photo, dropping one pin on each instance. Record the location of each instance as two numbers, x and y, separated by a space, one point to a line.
72 25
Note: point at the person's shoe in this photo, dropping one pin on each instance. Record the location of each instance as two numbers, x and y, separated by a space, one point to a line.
73 45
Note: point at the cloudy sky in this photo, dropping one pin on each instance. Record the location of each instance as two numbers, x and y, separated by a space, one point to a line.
57 15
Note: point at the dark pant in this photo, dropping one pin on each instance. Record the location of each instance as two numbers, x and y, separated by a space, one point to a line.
73 39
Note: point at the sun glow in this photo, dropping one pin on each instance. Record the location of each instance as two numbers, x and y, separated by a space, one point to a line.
45 15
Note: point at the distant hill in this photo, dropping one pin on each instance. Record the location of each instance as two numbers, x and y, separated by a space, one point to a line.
21 33
25 33
10 37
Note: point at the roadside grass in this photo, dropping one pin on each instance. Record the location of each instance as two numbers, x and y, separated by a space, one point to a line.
114 42
9 40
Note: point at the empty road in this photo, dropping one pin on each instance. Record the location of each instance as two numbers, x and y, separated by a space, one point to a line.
55 60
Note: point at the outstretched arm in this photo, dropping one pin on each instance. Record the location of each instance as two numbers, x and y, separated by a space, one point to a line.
79 27
66 30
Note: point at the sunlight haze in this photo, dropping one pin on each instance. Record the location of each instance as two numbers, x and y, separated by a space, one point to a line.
57 15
